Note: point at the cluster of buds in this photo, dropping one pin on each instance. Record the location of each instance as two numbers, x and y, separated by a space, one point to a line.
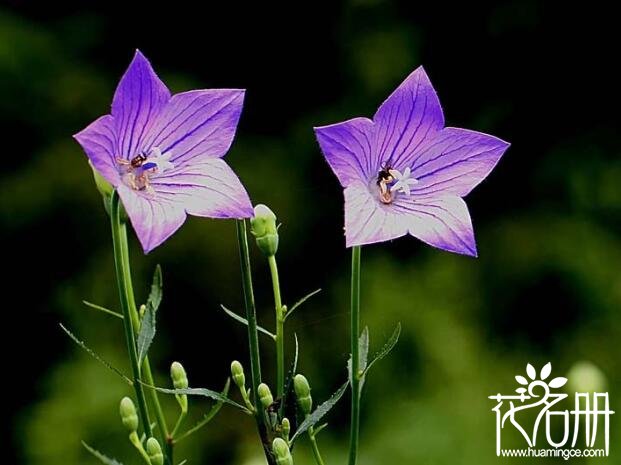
263 227
129 417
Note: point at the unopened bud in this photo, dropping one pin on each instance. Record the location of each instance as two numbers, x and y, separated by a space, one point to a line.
263 227
237 372
281 452
154 451
303 393
265 395
286 428
129 417
179 376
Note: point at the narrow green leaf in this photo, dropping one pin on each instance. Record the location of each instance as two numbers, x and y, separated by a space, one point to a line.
102 458
155 296
243 321
93 354
363 351
147 323
390 344
201 392
301 301
183 462
320 411
147 333
102 309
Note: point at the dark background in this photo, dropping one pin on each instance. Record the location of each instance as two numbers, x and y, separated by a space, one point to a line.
546 287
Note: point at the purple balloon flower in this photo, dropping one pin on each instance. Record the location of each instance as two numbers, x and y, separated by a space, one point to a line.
164 153
405 173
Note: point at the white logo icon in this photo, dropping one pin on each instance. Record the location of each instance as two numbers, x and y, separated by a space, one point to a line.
539 393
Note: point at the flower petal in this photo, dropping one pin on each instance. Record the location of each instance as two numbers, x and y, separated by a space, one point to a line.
197 123
206 188
139 98
455 161
347 147
440 222
410 115
154 219
545 371
367 221
99 142
531 372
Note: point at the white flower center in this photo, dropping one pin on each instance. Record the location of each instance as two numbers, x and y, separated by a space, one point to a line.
137 171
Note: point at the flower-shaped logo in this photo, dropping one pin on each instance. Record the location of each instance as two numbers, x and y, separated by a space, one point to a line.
532 380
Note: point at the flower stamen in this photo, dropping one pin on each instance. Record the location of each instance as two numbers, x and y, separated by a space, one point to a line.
138 171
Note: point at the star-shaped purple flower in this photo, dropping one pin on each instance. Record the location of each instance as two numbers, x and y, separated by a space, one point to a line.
405 173
164 153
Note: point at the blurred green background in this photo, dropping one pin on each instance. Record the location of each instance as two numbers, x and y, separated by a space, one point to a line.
546 287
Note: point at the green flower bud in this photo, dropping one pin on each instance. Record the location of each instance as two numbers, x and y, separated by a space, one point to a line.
154 451
586 377
265 395
303 393
103 186
129 417
281 452
237 371
263 226
286 428
178 375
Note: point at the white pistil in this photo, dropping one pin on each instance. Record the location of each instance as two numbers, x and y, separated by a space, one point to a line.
160 160
404 181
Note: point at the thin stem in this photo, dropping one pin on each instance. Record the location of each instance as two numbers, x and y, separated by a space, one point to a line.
178 424
280 329
146 365
355 356
119 235
253 334
315 447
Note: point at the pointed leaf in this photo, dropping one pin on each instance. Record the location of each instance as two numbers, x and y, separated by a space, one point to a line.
363 351
520 379
155 296
557 382
93 354
243 321
201 392
147 332
390 344
520 390
102 309
546 370
183 462
147 324
531 372
102 458
320 411
301 301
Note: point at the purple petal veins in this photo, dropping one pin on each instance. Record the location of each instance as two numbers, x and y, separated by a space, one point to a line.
405 173
164 153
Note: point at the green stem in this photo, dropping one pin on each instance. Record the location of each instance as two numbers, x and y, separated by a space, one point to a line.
146 365
280 329
119 237
315 447
178 424
253 335
355 356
